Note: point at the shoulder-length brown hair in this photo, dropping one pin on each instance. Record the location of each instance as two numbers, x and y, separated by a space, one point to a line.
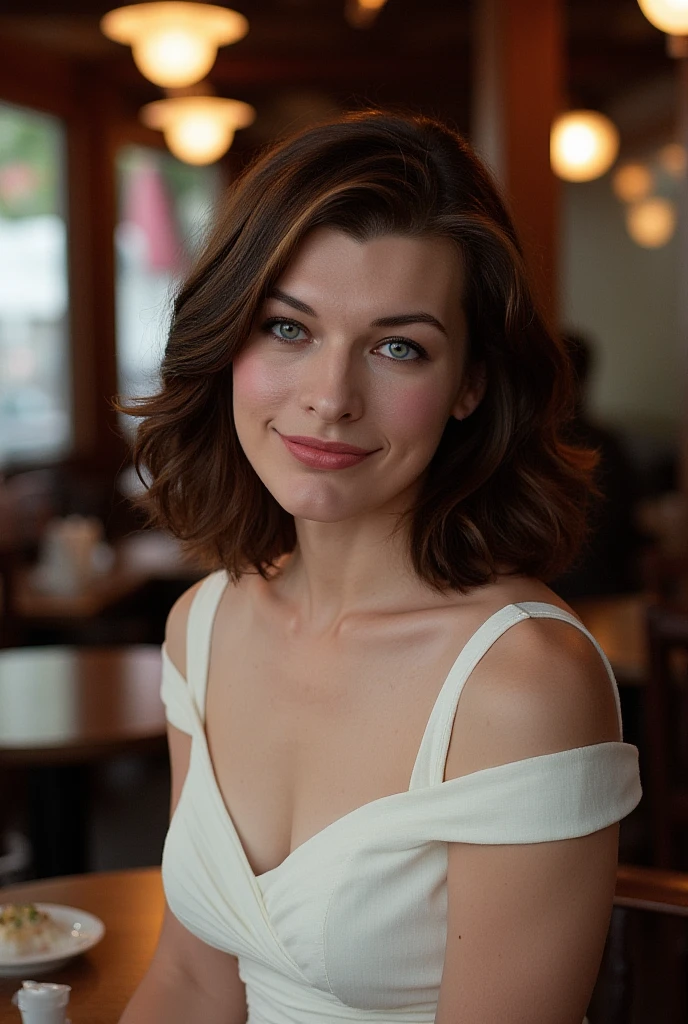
503 488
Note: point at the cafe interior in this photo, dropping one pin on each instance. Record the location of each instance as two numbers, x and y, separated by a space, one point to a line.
119 132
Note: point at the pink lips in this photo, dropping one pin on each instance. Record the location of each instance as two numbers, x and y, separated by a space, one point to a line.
327 446
320 458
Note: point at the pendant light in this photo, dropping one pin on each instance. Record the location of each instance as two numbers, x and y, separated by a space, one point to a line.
633 182
652 222
670 16
174 44
583 145
198 129
362 13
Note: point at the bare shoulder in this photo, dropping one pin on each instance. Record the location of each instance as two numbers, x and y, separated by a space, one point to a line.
175 627
542 687
516 911
178 616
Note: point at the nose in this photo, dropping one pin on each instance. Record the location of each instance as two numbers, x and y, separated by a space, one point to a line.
331 384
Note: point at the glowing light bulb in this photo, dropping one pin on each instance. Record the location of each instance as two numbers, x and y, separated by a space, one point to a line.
198 129
583 145
198 138
667 15
632 182
173 58
652 222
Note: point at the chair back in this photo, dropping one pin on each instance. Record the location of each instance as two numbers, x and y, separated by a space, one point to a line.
643 971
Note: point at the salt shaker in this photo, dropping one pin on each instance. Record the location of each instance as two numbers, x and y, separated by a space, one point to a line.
42 1002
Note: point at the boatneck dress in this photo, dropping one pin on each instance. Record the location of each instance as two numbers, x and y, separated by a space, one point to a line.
352 925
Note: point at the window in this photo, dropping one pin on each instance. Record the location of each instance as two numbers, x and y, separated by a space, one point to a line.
165 207
35 381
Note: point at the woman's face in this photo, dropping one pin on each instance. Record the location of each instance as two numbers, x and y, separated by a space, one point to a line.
321 363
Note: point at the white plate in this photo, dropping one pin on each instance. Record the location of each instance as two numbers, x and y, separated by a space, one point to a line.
82 932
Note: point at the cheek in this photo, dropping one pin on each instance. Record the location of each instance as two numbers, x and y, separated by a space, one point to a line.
416 412
254 381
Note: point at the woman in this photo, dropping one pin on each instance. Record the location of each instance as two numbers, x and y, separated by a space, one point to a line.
359 428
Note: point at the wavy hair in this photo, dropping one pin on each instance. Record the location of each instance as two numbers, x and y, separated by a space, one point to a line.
504 487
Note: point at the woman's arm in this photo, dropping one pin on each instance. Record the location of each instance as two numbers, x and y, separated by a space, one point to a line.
187 981
527 923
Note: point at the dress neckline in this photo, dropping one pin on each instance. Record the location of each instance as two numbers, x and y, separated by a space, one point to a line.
440 699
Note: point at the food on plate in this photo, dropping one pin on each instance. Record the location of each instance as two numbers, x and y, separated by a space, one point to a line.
24 929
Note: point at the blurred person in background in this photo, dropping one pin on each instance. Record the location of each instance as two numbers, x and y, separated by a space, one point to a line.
606 564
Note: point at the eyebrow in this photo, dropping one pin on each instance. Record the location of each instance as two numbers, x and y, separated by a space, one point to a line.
399 320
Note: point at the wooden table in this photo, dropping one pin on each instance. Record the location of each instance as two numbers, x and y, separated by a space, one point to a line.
618 624
643 966
62 708
139 558
130 903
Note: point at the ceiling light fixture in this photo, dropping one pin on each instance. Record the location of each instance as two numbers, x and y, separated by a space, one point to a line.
198 129
583 145
633 182
362 13
670 16
652 222
174 44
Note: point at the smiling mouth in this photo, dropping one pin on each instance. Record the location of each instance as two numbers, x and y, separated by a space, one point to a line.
318 458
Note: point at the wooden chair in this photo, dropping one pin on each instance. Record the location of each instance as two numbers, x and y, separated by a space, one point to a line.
665 774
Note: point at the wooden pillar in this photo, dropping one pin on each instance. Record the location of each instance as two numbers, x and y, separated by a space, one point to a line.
92 203
517 92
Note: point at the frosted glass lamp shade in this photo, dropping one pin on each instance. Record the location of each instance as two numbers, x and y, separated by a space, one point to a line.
198 129
652 222
583 145
174 44
669 16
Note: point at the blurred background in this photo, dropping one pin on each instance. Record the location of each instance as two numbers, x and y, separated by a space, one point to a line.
110 168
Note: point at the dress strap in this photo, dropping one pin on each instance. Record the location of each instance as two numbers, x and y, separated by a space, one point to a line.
199 630
432 754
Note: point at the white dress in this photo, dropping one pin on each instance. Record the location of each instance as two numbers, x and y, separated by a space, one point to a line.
351 926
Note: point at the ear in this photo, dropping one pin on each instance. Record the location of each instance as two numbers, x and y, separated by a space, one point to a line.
471 393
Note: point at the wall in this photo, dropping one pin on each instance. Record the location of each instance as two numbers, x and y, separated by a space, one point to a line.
626 298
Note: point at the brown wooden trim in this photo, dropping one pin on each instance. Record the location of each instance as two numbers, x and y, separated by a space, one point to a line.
92 205
34 77
519 53
652 889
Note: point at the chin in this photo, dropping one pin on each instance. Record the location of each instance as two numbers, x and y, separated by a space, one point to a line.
324 507
316 513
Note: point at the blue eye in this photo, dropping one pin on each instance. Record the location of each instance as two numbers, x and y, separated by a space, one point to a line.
284 326
281 324
409 346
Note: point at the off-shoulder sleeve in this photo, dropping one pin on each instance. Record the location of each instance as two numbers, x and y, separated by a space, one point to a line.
176 696
534 800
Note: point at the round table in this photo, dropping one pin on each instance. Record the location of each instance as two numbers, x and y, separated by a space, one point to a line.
61 709
130 904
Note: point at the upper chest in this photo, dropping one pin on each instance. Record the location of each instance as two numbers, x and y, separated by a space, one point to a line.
300 734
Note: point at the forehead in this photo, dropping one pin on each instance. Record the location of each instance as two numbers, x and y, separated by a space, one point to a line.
330 267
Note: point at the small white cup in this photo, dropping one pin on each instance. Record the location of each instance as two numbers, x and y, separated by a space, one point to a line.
42 1002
